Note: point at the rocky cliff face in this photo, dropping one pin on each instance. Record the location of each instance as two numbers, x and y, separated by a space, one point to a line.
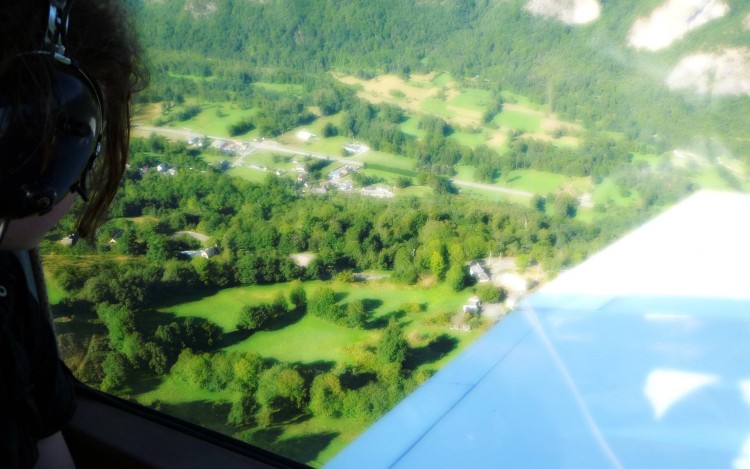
672 20
567 11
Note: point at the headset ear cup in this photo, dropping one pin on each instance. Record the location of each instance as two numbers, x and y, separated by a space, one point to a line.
47 144
39 200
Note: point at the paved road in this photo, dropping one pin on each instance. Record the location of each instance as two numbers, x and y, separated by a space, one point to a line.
192 234
274 146
269 145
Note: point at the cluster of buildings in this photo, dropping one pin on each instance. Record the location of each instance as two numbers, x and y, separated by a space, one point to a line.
161 168
229 147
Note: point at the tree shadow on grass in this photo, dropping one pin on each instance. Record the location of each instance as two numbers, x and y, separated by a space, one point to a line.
514 178
78 318
265 437
313 369
371 304
382 321
205 413
340 296
177 294
232 338
350 379
301 448
432 352
142 381
290 317
304 448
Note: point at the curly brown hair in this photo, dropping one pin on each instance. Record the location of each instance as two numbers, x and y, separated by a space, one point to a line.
101 39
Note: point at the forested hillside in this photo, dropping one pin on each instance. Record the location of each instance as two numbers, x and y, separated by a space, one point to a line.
587 73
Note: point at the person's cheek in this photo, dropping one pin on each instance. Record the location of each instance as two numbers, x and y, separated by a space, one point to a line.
27 233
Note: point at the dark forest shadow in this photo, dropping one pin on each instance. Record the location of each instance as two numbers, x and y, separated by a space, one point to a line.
340 296
142 381
432 352
382 321
352 380
371 304
232 338
304 449
290 317
313 369
207 414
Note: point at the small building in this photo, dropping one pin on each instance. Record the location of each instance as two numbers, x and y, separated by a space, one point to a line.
305 136
339 173
378 192
586 200
473 307
356 148
478 271
207 253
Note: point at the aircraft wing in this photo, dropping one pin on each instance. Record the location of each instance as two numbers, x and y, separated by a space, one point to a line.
638 357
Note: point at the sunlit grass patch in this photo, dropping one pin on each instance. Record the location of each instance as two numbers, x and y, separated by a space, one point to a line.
437 107
283 88
519 120
608 193
470 139
473 99
443 79
538 182
411 127
249 174
386 160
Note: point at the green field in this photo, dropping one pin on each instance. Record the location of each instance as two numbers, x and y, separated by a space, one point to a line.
470 140
415 191
492 196
538 182
608 193
472 99
307 340
521 100
442 79
249 174
411 127
518 120
437 107
282 88
215 118
651 159
399 164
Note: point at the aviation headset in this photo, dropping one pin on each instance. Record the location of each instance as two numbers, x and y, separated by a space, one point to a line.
47 146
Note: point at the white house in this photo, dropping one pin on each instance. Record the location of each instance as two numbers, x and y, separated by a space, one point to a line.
305 136
379 192
478 271
356 148
473 307
207 253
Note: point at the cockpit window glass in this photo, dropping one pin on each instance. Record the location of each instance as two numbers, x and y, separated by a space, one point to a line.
326 202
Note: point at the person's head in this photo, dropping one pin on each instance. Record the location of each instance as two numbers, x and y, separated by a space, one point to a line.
55 116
